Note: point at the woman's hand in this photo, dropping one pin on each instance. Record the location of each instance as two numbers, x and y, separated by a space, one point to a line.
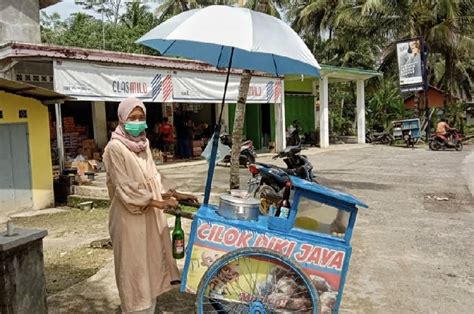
185 197
169 203
172 202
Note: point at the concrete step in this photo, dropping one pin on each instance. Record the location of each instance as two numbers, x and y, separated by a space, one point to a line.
94 191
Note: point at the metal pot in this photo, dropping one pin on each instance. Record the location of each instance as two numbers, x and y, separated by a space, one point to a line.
234 207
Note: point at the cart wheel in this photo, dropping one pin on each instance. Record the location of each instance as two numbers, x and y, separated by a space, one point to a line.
255 280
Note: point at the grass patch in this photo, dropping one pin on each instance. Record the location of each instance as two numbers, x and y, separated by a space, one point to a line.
65 269
74 220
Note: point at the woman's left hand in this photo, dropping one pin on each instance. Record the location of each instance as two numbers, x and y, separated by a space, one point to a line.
185 197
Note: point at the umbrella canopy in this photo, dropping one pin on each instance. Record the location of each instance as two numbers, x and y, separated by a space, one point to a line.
260 41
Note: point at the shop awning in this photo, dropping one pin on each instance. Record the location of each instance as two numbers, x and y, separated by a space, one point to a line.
44 95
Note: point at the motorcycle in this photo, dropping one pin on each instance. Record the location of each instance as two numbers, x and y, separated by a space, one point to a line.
452 139
247 151
268 181
294 138
383 138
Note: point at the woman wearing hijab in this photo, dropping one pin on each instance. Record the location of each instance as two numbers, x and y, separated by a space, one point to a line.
144 264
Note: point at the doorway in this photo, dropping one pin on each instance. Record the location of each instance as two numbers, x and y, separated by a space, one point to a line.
15 168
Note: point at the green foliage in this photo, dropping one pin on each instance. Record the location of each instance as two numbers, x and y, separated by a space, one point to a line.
385 106
85 31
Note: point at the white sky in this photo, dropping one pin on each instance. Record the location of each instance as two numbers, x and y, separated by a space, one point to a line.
66 7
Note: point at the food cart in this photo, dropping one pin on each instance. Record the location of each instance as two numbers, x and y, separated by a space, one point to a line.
408 130
265 264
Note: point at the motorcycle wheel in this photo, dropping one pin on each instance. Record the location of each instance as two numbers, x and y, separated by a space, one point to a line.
385 140
434 145
459 146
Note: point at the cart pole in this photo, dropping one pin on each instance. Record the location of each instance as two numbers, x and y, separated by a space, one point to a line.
215 139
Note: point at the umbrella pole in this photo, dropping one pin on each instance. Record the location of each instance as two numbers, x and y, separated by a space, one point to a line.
215 142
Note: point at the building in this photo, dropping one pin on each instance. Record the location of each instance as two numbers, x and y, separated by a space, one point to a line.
20 20
436 99
26 179
99 80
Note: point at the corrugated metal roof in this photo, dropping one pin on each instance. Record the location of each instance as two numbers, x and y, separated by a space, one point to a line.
28 50
44 95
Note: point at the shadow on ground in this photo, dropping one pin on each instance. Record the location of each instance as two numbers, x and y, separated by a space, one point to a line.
353 185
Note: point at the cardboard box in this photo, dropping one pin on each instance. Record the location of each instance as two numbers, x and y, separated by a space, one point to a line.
197 151
198 144
84 166
88 144
89 153
97 156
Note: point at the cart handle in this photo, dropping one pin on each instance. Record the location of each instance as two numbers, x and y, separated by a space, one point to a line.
174 212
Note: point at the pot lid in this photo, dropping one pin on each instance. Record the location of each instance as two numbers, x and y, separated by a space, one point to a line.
239 200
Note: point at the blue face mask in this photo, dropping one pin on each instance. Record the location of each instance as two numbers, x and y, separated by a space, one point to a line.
135 128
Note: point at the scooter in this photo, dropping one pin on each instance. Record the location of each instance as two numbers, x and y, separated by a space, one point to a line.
268 181
438 141
247 151
294 138
375 138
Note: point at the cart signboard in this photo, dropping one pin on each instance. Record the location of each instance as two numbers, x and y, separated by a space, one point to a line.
323 263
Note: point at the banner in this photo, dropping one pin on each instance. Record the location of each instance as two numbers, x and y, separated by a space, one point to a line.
93 82
322 264
410 65
209 87
89 81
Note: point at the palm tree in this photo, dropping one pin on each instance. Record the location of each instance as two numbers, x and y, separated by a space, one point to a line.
136 14
170 8
446 26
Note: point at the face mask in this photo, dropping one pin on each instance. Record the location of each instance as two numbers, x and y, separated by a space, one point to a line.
135 128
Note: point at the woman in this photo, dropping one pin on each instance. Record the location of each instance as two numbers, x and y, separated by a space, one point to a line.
144 266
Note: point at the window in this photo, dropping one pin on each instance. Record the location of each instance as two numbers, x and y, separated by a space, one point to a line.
321 218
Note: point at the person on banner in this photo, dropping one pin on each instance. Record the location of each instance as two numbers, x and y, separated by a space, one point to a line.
167 136
143 259
411 60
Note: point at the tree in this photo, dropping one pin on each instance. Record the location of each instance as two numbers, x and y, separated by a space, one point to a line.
85 31
446 26
239 119
110 8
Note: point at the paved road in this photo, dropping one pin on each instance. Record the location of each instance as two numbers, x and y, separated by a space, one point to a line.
413 247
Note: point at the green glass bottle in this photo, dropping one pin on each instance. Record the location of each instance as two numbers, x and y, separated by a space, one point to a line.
178 238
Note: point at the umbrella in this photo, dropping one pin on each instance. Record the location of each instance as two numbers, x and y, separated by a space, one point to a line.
229 37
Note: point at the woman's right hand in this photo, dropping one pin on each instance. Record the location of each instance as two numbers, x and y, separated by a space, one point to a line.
172 202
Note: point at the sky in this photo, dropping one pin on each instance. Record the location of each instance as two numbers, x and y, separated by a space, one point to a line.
67 7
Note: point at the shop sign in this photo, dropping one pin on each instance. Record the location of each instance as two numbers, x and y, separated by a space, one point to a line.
323 264
87 81
208 87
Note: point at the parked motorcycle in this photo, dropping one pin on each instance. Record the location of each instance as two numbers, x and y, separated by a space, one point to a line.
382 138
294 136
247 150
452 139
268 181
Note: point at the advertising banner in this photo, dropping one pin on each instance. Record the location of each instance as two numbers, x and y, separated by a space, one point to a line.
209 87
410 65
321 263
89 81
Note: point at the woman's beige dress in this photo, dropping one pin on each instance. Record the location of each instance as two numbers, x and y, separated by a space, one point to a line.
144 264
